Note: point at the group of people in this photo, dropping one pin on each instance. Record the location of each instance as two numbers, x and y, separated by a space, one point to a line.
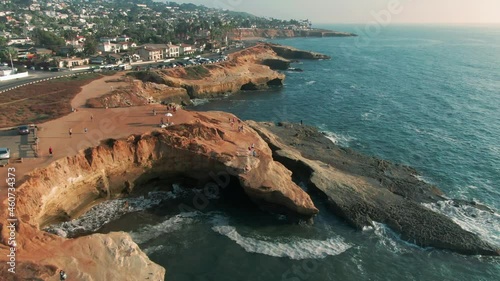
233 120
251 150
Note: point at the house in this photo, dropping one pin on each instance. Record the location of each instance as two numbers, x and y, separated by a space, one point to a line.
123 38
151 52
41 51
122 46
72 62
107 39
108 47
114 59
185 49
173 51
97 60
19 41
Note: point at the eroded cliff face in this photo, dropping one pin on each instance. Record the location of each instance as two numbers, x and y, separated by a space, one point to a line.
140 93
249 69
206 146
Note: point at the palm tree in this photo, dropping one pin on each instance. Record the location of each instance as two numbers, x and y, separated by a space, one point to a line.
8 54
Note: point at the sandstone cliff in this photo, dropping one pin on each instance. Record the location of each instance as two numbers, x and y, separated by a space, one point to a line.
249 69
140 93
206 146
363 189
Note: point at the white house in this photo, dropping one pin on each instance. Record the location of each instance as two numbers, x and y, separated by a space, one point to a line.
173 50
185 49
152 52
108 47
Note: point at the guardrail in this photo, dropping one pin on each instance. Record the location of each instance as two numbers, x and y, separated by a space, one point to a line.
43 80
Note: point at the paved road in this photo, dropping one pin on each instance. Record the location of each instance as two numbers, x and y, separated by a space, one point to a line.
33 76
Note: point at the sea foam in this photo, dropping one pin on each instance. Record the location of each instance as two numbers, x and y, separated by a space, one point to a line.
290 247
338 139
483 223
108 211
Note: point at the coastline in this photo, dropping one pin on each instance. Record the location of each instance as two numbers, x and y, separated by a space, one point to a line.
140 115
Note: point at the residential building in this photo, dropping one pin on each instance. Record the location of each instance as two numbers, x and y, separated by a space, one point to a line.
151 52
97 60
185 49
173 51
72 62
108 47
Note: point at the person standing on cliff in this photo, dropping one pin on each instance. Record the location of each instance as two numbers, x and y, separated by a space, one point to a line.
62 275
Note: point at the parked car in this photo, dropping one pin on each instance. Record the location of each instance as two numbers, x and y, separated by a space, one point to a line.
4 153
23 130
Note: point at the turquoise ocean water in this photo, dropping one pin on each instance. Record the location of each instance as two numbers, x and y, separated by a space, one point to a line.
425 96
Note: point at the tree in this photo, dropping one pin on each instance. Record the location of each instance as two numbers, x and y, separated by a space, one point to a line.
90 46
47 38
69 34
3 41
7 54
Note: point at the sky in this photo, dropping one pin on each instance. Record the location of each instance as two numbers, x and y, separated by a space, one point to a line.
366 11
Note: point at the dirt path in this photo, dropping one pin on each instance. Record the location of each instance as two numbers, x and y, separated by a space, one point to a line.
100 124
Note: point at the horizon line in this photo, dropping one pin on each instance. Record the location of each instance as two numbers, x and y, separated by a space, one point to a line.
414 23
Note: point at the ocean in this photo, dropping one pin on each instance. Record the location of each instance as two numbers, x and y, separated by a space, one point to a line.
425 96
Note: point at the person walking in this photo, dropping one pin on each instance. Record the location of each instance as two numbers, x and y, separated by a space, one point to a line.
50 151
91 117
70 132
85 130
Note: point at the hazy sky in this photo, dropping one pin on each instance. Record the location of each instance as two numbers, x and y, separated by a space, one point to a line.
364 11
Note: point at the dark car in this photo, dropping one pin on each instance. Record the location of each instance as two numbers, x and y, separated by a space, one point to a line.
23 130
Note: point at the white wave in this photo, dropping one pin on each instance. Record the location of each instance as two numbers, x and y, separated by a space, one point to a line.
293 248
197 102
483 223
391 240
495 149
310 82
153 249
170 225
342 140
368 116
108 211
422 179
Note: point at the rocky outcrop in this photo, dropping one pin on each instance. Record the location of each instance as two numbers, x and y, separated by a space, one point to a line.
277 63
249 69
140 93
292 53
207 150
364 189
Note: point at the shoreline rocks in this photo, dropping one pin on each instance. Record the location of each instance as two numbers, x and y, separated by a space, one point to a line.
363 189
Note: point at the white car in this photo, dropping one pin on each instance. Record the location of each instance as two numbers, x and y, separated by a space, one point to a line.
4 153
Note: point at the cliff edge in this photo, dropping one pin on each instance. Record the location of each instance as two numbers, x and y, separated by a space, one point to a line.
207 145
